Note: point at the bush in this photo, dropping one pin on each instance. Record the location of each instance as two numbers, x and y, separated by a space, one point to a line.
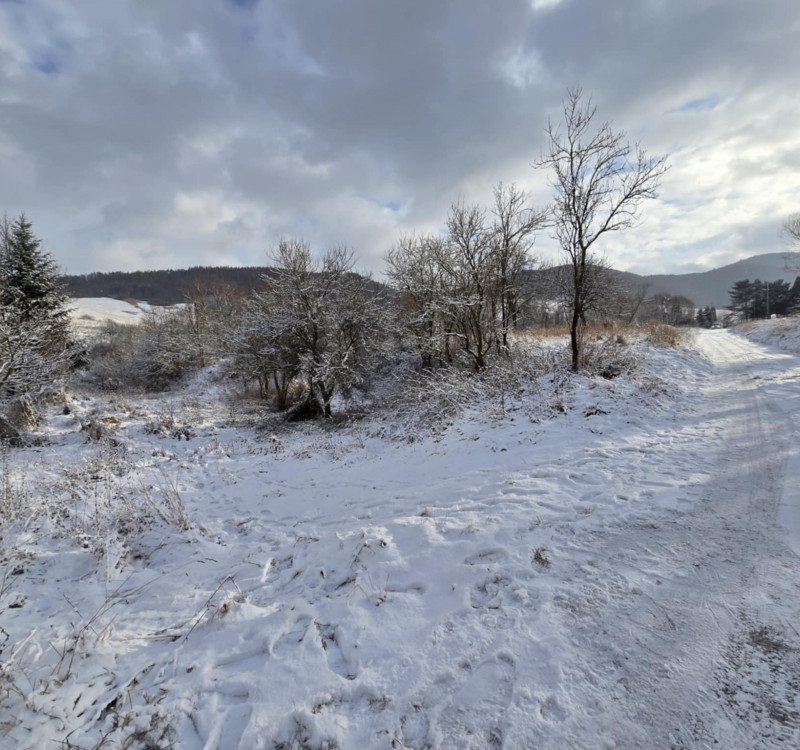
150 356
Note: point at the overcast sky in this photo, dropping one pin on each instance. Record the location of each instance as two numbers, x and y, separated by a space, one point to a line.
164 134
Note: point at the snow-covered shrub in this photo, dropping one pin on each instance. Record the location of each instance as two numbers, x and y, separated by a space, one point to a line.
150 356
606 353
166 425
169 349
531 381
316 322
15 493
110 357
22 414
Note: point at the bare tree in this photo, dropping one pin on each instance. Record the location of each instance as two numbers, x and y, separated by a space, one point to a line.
600 181
469 264
210 315
462 290
791 229
635 300
414 267
514 232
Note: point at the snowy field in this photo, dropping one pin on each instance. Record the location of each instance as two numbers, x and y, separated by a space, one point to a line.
91 313
94 312
617 568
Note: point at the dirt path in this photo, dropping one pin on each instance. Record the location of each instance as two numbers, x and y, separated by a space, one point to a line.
707 654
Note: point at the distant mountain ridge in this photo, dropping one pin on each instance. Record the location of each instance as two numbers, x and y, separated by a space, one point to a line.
167 287
712 287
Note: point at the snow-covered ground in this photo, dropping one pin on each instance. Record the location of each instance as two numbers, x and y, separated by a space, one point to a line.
90 313
93 312
782 333
622 575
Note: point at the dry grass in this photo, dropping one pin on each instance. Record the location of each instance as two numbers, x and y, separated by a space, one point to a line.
658 334
539 333
539 556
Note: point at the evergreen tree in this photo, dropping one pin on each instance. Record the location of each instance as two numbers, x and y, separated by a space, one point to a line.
778 294
35 347
794 297
742 296
760 299
30 275
706 316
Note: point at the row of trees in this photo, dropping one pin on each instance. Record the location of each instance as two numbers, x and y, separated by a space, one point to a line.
706 316
318 327
760 299
164 287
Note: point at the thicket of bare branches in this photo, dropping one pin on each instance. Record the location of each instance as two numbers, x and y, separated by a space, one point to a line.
461 292
316 327
168 344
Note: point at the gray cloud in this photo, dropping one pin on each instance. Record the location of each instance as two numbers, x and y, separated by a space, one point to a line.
148 134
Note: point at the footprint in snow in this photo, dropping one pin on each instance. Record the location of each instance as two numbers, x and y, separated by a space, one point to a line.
416 723
226 726
474 715
487 556
586 479
489 593
291 638
330 637
551 710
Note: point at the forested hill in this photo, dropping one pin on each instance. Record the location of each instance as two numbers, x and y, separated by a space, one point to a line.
163 287
169 287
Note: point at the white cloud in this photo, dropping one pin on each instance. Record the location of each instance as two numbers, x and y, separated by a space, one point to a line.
544 4
157 134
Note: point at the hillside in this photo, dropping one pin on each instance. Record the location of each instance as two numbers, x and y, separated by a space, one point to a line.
711 287
162 287
167 287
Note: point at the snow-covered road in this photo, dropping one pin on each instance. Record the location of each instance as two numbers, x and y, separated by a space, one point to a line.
709 656
625 575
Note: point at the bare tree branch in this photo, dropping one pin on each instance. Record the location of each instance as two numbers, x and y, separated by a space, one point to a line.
791 229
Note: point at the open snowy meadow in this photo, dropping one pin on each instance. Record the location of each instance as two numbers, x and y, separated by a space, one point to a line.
583 562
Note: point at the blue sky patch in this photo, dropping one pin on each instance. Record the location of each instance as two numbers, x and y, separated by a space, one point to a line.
392 205
47 63
707 102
